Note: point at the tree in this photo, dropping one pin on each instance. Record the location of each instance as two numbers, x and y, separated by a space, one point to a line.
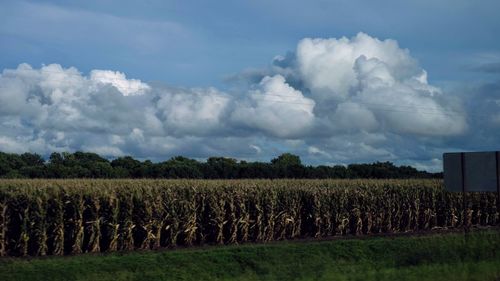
127 166
4 164
56 158
32 159
180 167
287 159
85 165
256 170
288 165
221 168
101 170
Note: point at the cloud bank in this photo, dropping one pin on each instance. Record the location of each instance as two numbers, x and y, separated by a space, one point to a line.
331 101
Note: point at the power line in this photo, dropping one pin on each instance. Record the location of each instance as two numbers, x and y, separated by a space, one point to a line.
370 105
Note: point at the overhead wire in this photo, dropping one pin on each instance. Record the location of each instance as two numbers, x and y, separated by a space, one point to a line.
373 106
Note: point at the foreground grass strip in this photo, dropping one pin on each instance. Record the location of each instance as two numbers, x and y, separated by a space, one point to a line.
475 256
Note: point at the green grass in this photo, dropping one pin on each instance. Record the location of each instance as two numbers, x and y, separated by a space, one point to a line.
475 256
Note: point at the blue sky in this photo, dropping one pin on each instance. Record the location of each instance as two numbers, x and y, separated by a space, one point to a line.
193 53
204 41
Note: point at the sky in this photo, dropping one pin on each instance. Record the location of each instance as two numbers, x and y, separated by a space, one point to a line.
335 82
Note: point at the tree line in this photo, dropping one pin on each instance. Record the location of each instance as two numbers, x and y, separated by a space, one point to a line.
90 165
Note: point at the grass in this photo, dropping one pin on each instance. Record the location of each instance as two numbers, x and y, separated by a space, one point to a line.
475 256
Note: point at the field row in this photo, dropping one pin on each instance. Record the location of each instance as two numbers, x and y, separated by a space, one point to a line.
58 217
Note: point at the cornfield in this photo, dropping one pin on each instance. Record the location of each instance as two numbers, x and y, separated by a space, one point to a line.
61 217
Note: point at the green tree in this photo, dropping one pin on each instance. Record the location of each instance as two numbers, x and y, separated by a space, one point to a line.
288 165
221 168
180 167
127 167
32 159
286 159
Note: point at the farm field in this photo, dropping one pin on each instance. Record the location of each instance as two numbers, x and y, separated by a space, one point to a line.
63 217
454 256
249 140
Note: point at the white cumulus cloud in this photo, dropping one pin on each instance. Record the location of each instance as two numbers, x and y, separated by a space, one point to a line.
365 83
337 100
277 109
119 80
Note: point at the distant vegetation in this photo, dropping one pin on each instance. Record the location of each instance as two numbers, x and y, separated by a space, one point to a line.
91 165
